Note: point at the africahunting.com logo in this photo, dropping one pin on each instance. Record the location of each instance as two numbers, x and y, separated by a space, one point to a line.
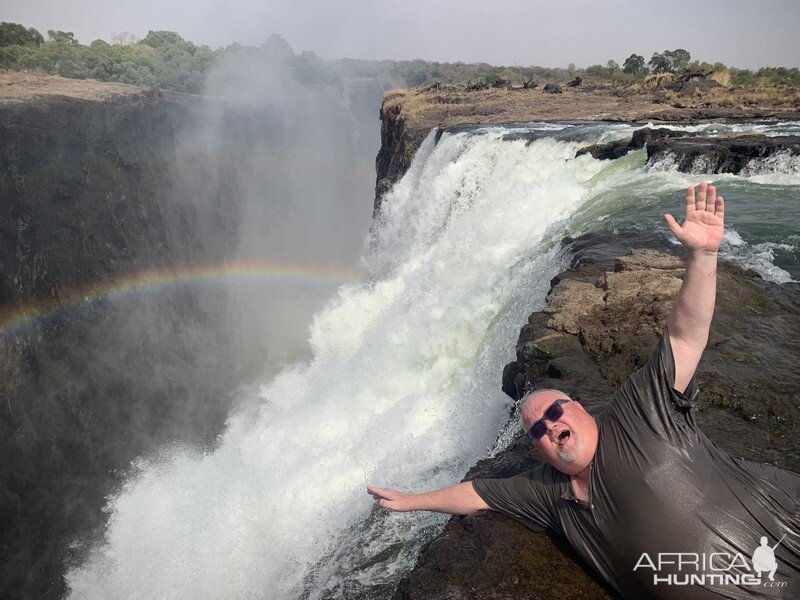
716 568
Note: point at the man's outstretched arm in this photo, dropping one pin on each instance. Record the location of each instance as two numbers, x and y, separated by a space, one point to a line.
459 499
690 319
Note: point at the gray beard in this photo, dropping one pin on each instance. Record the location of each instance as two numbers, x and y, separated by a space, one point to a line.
570 455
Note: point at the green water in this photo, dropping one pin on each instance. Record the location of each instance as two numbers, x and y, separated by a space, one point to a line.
762 210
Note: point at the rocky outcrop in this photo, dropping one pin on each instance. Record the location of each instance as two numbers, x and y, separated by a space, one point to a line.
399 143
691 83
640 139
722 155
601 319
732 154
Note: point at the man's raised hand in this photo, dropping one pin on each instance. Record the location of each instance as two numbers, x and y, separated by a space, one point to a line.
704 223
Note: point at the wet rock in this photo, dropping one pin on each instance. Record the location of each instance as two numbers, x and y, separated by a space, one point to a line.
601 319
721 154
610 151
552 88
398 145
639 139
694 154
486 555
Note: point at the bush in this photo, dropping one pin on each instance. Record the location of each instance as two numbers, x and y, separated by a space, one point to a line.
13 34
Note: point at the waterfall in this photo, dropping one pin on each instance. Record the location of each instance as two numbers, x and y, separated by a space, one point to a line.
402 388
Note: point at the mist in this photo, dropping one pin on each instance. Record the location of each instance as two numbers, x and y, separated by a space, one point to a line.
266 193
292 142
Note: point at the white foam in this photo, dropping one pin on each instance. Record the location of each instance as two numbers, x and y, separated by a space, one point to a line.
759 257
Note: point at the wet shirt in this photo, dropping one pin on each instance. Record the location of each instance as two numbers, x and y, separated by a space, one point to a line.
669 514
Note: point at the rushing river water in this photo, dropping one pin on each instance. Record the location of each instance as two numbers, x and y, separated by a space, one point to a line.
402 388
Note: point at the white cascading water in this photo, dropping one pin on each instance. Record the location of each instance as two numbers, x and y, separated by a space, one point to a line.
402 390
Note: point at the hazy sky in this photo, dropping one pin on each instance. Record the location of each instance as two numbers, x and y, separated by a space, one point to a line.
743 33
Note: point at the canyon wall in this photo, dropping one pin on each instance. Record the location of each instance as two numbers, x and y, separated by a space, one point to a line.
96 365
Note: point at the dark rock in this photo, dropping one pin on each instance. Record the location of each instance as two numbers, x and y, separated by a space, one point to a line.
610 151
646 135
692 82
729 154
476 86
488 556
721 154
398 145
600 321
501 82
575 82
552 88
639 139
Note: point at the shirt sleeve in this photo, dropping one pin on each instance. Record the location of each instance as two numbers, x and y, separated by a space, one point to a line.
522 497
648 398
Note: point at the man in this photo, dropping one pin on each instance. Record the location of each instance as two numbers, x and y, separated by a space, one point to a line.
640 492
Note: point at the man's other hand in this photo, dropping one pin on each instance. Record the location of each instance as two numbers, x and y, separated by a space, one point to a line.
392 499
459 499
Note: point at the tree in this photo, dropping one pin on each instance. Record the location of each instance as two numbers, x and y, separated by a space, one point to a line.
660 63
670 61
613 66
160 39
62 37
634 64
123 39
680 59
14 34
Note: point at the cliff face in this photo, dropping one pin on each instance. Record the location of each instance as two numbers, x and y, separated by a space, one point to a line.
91 198
89 193
399 143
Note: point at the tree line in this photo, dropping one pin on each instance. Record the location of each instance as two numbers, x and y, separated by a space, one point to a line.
679 61
164 59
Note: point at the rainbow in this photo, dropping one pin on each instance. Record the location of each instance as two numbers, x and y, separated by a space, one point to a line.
154 279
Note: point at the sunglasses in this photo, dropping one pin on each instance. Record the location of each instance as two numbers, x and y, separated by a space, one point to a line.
552 414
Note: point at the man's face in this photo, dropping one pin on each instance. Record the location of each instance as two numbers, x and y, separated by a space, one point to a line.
571 441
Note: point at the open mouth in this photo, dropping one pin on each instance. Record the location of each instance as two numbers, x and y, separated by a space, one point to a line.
563 437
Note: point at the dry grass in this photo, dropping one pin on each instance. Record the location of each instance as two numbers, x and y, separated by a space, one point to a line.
21 87
722 77
744 99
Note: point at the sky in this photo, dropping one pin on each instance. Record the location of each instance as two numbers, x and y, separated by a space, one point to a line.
741 33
